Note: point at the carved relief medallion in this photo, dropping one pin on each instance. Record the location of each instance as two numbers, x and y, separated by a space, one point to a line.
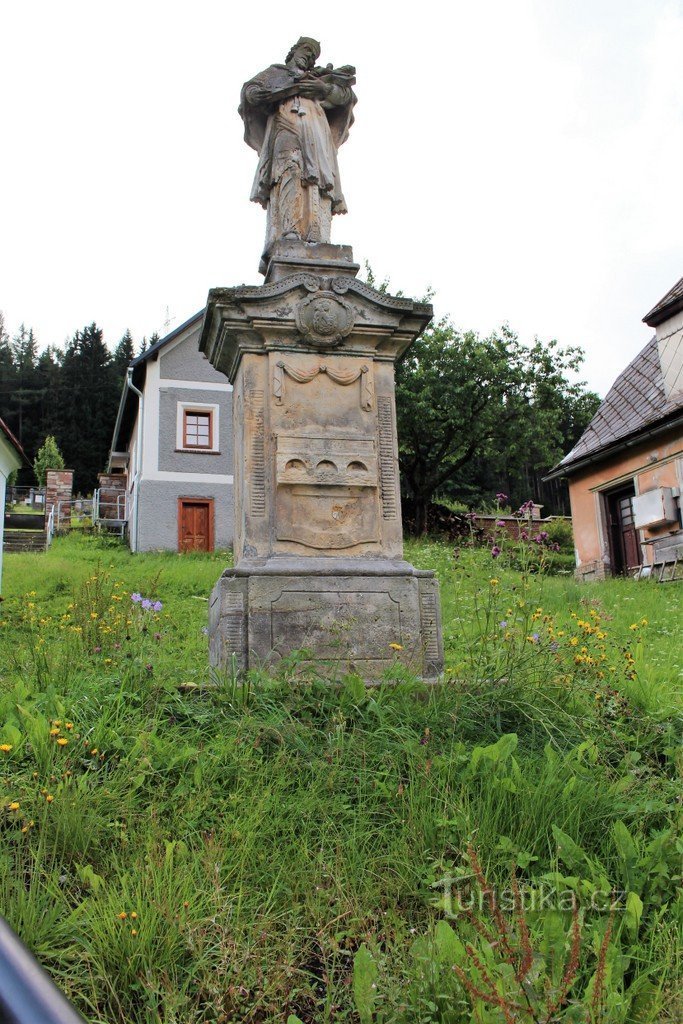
324 320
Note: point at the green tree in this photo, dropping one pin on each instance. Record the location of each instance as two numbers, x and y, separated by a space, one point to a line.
47 457
463 400
124 353
90 389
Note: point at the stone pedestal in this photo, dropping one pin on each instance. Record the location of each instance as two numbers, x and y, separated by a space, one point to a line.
318 532
59 495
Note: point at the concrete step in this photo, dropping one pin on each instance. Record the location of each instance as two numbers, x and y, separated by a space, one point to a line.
24 540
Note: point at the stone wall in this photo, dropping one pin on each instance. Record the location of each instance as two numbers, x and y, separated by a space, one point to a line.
112 488
58 494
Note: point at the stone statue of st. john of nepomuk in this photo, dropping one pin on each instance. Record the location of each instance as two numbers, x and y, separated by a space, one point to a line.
296 116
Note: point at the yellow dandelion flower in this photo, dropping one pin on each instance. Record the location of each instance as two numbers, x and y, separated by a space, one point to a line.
643 622
494 582
49 798
133 931
123 915
68 725
54 732
634 625
62 741
396 647
14 806
134 916
5 747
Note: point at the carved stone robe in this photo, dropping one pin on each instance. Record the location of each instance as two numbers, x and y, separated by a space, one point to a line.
297 178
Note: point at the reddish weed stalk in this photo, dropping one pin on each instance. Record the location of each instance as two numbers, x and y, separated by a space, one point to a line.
512 939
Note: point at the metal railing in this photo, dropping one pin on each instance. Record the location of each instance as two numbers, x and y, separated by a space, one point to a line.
27 994
50 527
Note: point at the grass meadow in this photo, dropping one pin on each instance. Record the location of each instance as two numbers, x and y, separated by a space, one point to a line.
504 847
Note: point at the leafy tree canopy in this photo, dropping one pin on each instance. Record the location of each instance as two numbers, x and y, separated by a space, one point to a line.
47 457
462 399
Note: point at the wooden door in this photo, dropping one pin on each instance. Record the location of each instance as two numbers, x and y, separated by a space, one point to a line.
625 543
195 524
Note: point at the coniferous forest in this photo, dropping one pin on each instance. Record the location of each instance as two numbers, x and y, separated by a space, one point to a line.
71 392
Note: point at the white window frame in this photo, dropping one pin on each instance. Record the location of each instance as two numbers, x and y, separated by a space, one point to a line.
201 407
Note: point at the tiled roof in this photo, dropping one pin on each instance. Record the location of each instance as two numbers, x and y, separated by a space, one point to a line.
666 307
635 402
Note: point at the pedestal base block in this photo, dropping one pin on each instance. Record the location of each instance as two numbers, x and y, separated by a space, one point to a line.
344 622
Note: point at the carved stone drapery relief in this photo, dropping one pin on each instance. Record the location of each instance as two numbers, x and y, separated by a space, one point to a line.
342 377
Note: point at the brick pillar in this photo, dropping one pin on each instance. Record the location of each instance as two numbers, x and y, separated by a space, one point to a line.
58 488
113 488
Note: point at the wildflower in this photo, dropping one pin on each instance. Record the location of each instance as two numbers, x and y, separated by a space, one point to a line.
157 636
500 522
634 626
123 915
94 751
5 747
133 931
14 806
146 604
49 798
54 732
500 497
62 741
494 582
149 668
68 725
133 915
97 650
643 622
157 606
396 647
503 624
136 598
495 551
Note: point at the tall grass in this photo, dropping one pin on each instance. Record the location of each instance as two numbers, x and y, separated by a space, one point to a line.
221 852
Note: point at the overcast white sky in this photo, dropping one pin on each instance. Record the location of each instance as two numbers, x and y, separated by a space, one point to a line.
524 158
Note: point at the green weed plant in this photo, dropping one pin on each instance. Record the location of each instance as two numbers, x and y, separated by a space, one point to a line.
187 847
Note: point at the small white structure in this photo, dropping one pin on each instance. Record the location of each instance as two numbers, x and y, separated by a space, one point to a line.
11 457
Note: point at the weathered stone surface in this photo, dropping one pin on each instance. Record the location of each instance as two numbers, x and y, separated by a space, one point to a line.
296 116
345 622
310 354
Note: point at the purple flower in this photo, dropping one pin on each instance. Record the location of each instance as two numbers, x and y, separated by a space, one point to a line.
97 650
500 522
503 624
500 497
149 668
534 637
146 604
495 551
524 535
157 606
526 509
136 597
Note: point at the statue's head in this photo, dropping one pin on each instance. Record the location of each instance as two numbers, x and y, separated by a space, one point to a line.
304 53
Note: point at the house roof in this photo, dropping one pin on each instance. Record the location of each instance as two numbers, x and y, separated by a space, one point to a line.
666 307
153 350
9 436
128 404
635 404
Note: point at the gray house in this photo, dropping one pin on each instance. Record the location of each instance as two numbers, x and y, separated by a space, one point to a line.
172 452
